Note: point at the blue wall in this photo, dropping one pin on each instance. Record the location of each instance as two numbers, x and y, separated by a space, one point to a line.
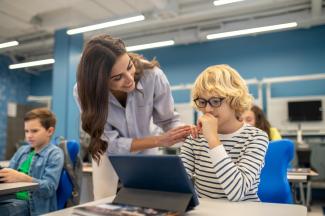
296 52
14 87
41 84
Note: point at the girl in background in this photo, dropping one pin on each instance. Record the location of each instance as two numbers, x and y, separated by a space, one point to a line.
256 117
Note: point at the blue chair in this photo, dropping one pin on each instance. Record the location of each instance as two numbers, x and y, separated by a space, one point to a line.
65 188
274 186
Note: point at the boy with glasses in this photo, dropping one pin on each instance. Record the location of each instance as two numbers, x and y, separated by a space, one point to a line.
39 162
226 159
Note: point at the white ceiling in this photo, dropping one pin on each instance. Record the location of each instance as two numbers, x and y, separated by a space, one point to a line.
33 22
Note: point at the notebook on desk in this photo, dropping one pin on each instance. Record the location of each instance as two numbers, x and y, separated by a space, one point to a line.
154 181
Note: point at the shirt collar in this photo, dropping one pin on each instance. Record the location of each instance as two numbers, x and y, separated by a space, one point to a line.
139 86
114 101
44 150
41 153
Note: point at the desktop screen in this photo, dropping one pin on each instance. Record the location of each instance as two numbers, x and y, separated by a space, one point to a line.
305 110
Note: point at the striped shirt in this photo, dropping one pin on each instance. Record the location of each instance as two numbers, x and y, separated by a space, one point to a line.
231 170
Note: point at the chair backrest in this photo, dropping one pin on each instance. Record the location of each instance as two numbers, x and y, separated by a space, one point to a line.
73 149
65 188
274 186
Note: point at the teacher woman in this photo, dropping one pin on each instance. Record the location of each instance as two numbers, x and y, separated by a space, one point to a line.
118 94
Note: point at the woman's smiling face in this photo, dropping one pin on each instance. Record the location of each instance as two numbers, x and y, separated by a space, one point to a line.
122 75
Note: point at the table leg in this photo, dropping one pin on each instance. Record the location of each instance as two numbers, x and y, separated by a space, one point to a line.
308 198
302 193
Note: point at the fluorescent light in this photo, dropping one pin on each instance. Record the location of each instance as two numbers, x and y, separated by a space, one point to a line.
251 30
105 25
32 63
150 45
9 44
224 2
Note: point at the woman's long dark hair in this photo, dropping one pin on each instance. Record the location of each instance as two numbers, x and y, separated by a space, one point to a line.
260 120
94 70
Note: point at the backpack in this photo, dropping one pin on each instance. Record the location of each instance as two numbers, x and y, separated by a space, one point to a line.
73 166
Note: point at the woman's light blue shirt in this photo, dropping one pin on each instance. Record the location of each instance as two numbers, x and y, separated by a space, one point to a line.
152 100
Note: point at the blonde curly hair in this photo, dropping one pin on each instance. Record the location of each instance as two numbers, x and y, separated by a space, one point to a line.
223 81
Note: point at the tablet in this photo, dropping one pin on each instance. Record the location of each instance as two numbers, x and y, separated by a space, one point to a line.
154 172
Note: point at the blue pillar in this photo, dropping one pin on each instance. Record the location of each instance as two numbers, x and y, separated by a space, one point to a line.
67 52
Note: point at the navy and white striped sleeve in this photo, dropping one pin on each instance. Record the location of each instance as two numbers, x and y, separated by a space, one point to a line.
187 156
238 179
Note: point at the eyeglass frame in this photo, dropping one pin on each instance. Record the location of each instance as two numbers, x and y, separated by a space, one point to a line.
208 101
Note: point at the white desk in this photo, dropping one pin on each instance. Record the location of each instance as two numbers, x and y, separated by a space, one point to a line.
296 178
211 207
292 176
87 187
295 173
4 163
300 179
8 190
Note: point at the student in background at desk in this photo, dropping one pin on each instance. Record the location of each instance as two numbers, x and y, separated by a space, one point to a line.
39 162
225 161
256 117
118 94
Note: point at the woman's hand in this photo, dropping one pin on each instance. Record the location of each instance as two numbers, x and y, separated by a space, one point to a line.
174 136
194 131
208 125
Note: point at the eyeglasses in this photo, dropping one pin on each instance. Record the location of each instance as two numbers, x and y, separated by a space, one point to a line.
214 102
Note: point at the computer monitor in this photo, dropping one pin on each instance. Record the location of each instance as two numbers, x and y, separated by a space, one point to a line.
299 111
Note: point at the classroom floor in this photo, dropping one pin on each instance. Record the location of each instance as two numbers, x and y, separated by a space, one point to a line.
317 209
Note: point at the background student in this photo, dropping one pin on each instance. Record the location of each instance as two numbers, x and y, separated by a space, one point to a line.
39 162
119 93
256 117
226 159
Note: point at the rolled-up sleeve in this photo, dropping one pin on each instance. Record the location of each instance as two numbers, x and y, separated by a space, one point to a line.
116 143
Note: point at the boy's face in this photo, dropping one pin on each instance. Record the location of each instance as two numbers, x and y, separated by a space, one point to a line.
224 112
36 135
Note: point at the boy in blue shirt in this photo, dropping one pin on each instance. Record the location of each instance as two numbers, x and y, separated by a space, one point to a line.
39 162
